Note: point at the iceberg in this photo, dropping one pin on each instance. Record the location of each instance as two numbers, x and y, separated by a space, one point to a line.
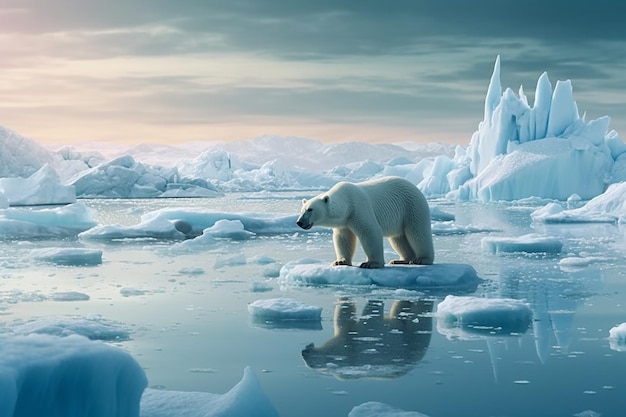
44 375
41 188
23 223
609 207
123 177
243 400
516 147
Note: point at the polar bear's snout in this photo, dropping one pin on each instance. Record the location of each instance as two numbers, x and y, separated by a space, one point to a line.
304 221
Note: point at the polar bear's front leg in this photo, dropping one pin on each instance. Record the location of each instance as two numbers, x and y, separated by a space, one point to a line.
345 245
372 242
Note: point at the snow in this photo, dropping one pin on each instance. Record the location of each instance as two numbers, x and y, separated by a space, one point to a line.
280 309
530 243
438 276
68 376
484 315
376 409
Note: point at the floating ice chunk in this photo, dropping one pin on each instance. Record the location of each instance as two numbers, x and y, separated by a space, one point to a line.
574 262
484 315
530 243
156 228
451 228
617 337
69 296
228 229
244 399
460 277
43 375
376 409
131 291
281 309
236 259
437 214
92 327
68 256
261 260
186 223
609 207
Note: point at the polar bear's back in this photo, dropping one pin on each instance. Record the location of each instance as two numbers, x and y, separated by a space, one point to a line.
395 201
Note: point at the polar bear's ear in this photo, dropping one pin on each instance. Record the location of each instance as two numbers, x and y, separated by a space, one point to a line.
304 201
325 199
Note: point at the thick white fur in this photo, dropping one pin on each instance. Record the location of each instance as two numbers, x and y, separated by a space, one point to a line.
391 207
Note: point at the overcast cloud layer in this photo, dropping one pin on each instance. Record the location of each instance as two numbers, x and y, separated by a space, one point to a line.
169 71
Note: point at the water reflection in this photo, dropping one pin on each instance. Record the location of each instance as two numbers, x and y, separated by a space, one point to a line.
374 345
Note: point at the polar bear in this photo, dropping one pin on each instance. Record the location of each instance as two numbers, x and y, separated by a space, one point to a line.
367 211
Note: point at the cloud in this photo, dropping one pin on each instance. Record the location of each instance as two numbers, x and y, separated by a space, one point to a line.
406 64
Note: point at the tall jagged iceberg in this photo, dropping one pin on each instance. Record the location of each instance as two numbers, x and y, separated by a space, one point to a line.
546 150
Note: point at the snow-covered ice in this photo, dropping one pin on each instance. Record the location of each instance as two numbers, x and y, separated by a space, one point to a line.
485 315
459 277
530 243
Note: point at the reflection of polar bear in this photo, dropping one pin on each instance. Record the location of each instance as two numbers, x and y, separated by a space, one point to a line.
374 345
390 206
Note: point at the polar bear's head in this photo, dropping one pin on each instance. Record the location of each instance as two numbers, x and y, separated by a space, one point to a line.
314 212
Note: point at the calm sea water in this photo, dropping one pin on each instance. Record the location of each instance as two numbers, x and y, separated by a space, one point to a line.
191 330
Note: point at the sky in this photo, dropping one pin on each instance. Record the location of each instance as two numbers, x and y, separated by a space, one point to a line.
157 71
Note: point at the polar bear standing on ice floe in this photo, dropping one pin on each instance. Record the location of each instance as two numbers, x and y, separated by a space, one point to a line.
367 211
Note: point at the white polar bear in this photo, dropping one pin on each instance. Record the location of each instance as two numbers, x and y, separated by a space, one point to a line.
367 211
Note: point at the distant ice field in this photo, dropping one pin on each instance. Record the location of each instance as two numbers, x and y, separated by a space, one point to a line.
185 316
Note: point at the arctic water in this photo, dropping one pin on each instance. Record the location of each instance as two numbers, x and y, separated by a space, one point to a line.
189 326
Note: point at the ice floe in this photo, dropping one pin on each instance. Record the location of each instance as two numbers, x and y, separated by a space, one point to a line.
530 243
459 277
492 316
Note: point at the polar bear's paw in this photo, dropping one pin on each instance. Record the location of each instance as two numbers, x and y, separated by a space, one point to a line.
341 261
418 261
372 265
